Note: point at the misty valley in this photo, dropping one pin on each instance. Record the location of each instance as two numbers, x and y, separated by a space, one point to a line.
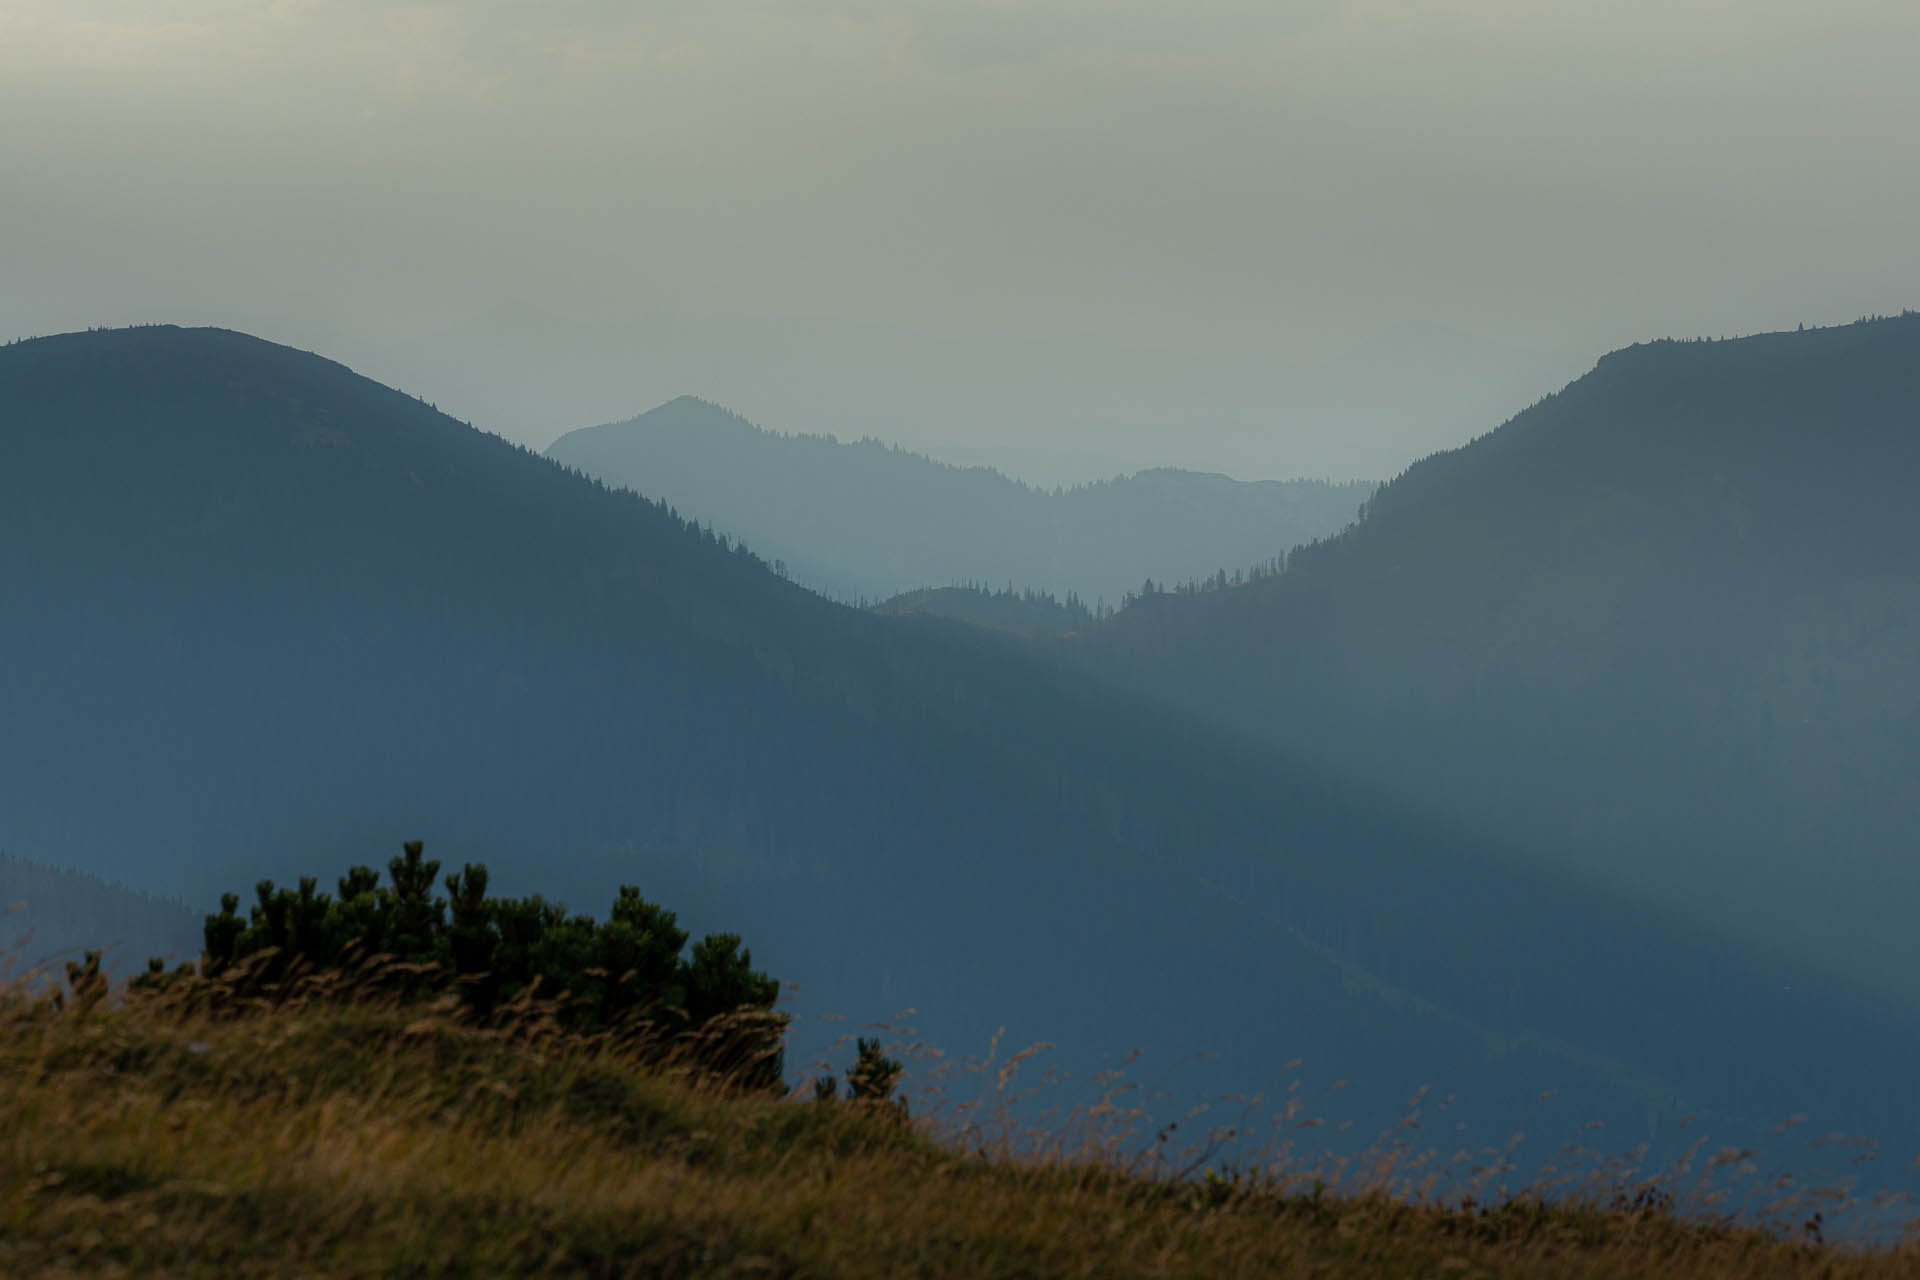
1549 805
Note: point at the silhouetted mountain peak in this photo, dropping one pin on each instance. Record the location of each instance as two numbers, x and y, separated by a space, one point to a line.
686 414
241 382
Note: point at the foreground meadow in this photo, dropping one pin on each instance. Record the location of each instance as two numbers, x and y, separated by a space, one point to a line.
322 1137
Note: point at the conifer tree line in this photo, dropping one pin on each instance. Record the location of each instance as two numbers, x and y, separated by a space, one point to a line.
628 976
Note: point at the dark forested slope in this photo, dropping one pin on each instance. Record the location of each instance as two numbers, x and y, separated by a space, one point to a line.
263 615
865 520
1664 627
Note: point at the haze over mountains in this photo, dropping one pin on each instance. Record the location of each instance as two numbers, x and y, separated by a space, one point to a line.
865 520
49 916
1662 629
264 614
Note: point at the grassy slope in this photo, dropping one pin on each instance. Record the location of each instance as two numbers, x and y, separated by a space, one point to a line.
369 1141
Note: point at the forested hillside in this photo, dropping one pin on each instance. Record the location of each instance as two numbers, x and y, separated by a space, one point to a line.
1028 613
268 617
1662 629
864 520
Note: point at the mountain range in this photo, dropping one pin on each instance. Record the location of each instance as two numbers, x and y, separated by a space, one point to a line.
868 521
265 616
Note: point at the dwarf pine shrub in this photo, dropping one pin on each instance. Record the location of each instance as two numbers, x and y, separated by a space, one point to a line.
625 978
871 1078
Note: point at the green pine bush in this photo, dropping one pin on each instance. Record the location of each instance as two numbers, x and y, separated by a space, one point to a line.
626 978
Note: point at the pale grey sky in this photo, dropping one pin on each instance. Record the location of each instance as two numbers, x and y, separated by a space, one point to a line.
1302 237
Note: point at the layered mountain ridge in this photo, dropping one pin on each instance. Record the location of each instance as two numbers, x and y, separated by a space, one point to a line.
865 520
265 615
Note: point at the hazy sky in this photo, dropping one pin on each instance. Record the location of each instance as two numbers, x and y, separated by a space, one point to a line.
1271 237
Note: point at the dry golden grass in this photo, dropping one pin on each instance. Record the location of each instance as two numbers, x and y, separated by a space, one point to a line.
325 1139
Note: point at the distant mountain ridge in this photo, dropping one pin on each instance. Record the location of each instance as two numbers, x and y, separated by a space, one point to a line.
866 520
1028 613
50 915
